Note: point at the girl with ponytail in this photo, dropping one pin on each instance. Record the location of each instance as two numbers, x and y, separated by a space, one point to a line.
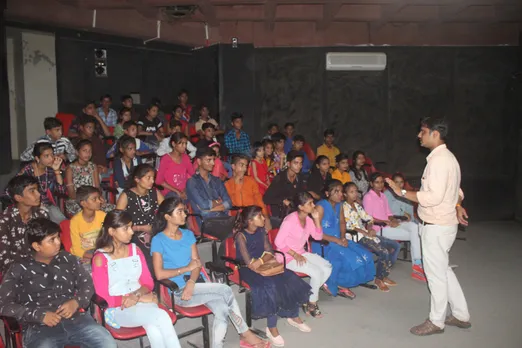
175 257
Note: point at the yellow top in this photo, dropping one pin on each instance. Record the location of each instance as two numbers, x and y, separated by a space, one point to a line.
329 152
84 234
342 177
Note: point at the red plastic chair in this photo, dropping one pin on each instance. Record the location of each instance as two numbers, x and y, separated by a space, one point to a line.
309 152
98 307
166 293
66 120
65 235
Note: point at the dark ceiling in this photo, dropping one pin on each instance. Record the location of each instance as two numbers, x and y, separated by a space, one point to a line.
288 22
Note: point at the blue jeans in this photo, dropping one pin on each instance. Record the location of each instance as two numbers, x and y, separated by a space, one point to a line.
81 331
220 299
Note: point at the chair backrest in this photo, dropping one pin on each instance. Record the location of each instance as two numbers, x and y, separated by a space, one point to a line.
192 222
272 234
65 235
66 120
230 251
309 152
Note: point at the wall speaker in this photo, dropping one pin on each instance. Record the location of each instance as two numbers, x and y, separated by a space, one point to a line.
100 62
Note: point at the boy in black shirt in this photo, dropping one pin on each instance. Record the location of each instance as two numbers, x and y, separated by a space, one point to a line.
44 293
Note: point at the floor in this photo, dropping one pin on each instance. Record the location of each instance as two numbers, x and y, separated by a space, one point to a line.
486 264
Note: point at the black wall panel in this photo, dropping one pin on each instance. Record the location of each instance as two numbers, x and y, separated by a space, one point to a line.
132 67
379 112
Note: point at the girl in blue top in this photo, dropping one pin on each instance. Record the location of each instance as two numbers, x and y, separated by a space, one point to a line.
175 257
352 264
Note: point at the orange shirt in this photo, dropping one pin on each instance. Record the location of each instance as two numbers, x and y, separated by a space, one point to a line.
246 193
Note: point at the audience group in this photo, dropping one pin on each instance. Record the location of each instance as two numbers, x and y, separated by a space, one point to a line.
324 214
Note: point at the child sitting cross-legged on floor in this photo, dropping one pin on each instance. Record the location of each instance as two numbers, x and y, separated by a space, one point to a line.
87 224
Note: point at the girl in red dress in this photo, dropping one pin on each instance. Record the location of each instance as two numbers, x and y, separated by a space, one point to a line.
258 168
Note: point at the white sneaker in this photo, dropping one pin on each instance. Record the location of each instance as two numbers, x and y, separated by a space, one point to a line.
277 341
301 326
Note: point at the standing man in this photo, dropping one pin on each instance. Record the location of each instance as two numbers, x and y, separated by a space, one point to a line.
441 212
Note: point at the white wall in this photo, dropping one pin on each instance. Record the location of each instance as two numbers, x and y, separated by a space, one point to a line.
39 76
13 115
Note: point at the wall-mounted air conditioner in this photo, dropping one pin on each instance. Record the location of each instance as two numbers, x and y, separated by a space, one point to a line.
351 61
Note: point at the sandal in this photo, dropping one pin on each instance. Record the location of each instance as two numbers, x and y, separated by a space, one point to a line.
314 311
382 285
346 293
262 344
325 289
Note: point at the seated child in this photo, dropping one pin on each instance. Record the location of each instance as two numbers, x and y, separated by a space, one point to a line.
122 278
82 172
237 140
273 167
343 166
258 168
86 131
175 168
297 145
46 169
272 129
124 115
328 149
23 191
130 128
164 147
386 249
86 224
150 126
125 163
279 151
47 303
62 146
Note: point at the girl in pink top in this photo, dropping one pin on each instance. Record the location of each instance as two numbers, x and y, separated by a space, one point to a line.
293 234
121 277
258 168
175 168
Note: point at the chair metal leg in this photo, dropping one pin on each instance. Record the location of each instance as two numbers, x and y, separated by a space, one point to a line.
369 286
206 332
258 332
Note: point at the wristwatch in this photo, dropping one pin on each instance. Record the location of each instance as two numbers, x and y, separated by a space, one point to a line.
403 192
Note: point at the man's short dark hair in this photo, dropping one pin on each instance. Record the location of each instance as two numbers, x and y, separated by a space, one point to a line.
292 155
181 92
89 102
39 228
128 124
289 124
271 125
299 138
328 132
204 152
341 157
86 119
52 122
40 147
238 157
235 116
203 106
17 185
207 125
83 193
126 97
106 96
173 123
276 137
436 124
